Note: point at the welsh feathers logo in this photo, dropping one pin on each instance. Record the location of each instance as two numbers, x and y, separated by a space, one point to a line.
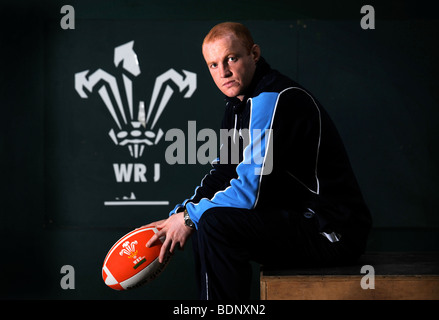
135 125
129 249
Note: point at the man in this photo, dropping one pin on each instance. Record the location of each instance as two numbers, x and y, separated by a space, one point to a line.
290 198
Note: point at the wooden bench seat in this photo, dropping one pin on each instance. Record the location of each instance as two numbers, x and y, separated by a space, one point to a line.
397 276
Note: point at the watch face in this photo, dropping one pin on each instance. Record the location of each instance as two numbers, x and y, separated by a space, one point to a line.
188 222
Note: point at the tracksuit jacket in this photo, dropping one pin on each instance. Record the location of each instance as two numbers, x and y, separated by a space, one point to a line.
281 151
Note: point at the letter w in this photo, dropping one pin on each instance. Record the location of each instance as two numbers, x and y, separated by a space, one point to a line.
123 172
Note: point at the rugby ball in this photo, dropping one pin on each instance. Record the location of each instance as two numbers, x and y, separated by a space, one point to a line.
130 264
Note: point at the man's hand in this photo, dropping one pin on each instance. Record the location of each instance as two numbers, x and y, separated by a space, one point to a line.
175 232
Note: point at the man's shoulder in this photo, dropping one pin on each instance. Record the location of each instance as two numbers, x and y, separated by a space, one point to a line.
288 95
274 81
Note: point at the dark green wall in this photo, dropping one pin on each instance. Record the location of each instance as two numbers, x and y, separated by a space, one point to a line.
380 87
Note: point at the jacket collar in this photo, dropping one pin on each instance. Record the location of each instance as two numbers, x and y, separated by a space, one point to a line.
262 68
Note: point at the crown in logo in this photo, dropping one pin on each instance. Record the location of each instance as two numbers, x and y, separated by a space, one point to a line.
130 117
129 249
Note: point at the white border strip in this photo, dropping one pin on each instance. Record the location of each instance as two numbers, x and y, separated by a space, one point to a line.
136 203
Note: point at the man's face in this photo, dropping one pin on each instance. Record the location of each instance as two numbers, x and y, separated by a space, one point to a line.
231 66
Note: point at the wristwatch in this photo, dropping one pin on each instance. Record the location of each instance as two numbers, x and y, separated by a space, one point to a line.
187 220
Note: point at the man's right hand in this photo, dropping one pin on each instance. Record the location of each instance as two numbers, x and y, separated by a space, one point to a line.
175 232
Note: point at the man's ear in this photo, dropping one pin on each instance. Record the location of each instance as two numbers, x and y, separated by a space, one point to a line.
256 52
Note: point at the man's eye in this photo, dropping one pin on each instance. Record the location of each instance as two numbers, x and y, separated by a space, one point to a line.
213 65
233 59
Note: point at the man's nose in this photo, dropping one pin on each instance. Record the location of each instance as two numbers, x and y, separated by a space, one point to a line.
225 70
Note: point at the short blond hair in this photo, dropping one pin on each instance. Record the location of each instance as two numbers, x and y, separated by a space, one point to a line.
226 28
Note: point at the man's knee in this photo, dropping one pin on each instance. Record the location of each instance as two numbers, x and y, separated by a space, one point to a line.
235 227
210 222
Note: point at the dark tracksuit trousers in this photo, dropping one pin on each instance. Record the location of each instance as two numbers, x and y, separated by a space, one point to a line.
228 238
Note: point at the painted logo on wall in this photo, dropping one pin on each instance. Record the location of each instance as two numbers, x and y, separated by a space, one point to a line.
135 125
